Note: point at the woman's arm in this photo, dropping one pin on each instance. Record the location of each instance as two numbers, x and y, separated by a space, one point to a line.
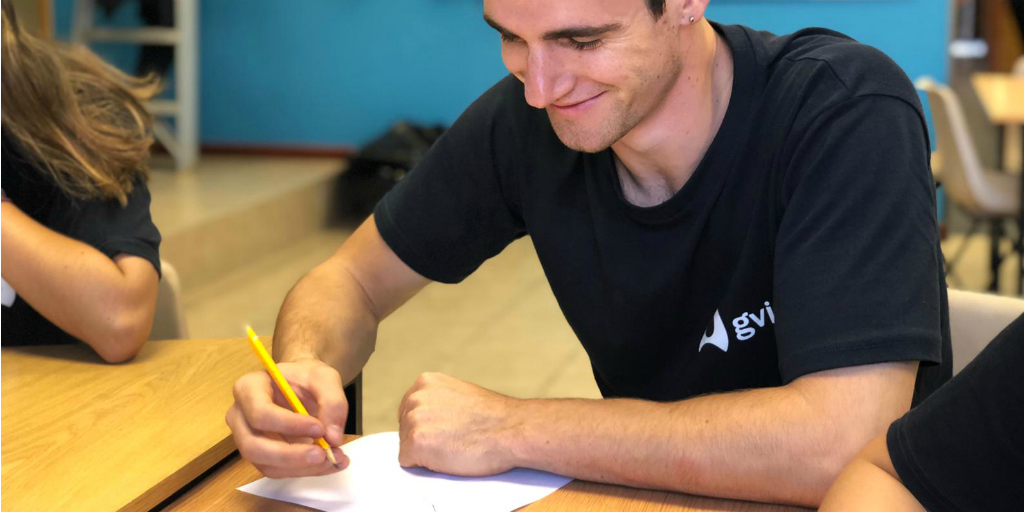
870 483
106 303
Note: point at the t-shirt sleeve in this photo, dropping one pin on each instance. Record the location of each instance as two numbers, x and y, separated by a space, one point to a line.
962 449
856 261
455 209
114 229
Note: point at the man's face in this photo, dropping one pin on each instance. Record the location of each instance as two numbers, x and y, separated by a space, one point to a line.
597 66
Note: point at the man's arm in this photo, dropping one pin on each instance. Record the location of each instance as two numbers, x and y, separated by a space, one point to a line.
870 483
107 303
325 333
784 444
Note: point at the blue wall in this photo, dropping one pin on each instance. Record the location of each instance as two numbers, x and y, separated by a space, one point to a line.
337 73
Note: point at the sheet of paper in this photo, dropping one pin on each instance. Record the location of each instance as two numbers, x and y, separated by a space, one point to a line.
375 481
7 297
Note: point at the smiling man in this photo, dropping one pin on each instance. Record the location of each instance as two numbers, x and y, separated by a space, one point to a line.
738 226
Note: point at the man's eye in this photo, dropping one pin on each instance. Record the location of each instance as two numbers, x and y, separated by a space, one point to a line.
508 38
584 45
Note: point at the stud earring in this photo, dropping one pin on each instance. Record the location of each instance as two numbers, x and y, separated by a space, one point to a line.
691 19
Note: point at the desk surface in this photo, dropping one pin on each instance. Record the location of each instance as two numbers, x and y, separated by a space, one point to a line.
79 434
1002 96
218 492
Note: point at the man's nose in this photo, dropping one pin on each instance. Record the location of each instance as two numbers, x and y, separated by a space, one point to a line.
545 80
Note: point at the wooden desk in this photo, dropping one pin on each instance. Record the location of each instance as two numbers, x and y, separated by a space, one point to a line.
1002 97
79 434
218 492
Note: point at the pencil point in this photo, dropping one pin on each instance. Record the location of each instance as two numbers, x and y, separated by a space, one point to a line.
330 456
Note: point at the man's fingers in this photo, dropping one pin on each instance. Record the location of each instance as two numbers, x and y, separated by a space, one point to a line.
262 450
254 394
319 470
326 389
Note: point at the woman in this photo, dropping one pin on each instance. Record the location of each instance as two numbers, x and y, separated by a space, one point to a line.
80 252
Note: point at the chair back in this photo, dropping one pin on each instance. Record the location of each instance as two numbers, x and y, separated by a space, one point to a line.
169 319
962 171
976 318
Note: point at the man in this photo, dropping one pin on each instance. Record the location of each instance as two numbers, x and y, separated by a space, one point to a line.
739 227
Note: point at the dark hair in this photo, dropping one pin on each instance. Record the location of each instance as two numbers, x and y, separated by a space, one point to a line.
657 7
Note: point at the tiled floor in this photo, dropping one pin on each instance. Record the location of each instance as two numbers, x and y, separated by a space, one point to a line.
501 328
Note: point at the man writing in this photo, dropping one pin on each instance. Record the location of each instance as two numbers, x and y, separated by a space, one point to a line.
739 228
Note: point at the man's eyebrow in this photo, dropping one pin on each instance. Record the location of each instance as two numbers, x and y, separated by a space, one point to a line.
581 32
497 26
562 33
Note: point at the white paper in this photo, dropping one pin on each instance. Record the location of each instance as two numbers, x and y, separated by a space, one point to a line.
8 295
375 481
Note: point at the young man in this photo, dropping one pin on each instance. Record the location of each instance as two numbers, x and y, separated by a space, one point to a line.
961 450
739 227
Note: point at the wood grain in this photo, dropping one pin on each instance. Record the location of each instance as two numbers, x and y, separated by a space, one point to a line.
79 434
218 492
1002 95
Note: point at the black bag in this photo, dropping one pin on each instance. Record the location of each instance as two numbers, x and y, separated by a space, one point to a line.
381 164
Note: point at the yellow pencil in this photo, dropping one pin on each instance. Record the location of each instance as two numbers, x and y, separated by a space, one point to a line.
282 384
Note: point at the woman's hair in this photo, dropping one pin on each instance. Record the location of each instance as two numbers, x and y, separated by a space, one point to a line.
77 118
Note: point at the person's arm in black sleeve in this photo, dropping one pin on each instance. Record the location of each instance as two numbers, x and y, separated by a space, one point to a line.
961 450
858 272
105 297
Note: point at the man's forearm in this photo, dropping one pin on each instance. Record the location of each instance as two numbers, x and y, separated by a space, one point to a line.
326 316
763 445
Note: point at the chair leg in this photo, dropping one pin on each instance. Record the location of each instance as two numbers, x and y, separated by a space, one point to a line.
995 257
1020 253
950 263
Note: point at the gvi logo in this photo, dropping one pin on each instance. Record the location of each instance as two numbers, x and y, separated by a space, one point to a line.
716 334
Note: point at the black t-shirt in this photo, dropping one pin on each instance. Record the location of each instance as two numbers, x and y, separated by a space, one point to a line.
103 224
805 240
963 448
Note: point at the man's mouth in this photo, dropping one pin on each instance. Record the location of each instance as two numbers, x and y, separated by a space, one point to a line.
577 107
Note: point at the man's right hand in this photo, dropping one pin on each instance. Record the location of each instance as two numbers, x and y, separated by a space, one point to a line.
279 441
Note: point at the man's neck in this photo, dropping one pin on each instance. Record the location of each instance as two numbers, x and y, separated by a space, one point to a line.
658 156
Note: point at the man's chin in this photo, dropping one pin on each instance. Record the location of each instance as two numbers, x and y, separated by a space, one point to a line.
584 142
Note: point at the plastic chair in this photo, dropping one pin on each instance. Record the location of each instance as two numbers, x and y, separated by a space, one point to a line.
976 318
169 317
984 194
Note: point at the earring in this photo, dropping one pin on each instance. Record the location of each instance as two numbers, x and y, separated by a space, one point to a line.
691 19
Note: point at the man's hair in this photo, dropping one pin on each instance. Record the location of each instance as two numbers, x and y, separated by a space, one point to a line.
657 7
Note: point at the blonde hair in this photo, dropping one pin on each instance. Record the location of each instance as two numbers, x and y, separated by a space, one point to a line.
78 119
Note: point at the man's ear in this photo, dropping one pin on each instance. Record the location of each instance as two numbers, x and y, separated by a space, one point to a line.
686 12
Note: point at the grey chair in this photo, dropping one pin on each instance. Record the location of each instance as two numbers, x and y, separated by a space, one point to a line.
976 318
169 318
985 195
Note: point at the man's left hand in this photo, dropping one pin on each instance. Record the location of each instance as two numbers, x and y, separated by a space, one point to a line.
454 427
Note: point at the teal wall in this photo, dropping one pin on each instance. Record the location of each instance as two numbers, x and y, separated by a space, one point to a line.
339 72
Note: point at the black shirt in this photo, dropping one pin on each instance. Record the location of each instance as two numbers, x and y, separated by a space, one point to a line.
963 448
103 224
805 240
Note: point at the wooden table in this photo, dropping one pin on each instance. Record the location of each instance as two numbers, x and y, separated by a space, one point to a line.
79 434
1002 97
218 492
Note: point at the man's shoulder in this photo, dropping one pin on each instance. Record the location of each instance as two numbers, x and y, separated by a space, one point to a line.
828 65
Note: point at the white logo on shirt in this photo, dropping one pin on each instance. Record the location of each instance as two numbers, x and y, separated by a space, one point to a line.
745 331
8 294
716 334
